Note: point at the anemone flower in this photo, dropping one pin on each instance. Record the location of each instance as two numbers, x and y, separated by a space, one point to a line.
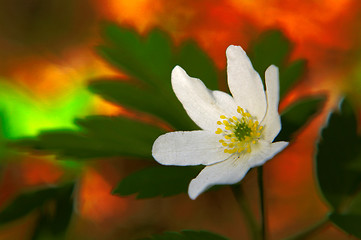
237 131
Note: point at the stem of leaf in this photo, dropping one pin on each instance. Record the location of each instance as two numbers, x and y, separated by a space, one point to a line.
243 205
308 232
261 197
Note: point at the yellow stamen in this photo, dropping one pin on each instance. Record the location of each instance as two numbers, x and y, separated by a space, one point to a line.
233 150
239 132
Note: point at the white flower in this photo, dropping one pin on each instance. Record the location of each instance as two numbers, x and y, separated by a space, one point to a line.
237 131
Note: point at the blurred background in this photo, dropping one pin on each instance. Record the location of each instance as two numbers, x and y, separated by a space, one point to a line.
47 57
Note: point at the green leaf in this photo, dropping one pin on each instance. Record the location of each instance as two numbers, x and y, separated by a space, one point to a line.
187 235
53 223
197 64
101 136
337 167
142 99
150 60
337 151
348 222
297 115
272 47
157 181
354 204
28 202
290 75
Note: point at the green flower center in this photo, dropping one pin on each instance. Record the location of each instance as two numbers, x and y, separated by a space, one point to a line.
239 133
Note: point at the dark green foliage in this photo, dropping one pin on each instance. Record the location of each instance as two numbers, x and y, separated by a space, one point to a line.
101 136
54 224
150 61
271 48
297 115
197 64
337 167
289 75
157 181
338 150
348 222
28 202
187 235
143 99
274 48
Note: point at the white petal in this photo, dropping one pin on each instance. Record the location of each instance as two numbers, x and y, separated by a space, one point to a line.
227 172
272 120
264 152
226 103
234 169
202 105
244 82
188 148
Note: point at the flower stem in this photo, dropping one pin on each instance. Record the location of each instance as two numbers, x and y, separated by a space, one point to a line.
261 196
243 205
308 232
